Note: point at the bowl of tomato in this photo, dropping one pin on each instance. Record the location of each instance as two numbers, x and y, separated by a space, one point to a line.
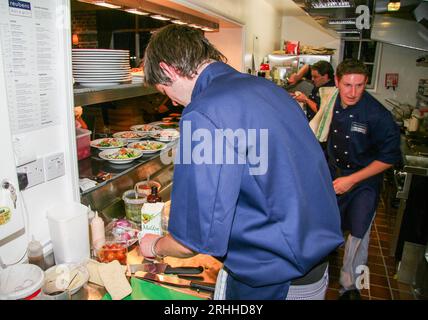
113 250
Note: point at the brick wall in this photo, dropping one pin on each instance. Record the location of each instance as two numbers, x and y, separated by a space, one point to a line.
84 24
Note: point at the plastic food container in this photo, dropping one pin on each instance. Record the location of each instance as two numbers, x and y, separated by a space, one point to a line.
83 140
144 188
21 282
133 205
113 250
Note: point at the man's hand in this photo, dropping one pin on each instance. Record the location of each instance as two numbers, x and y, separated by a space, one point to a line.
343 184
300 97
293 79
147 243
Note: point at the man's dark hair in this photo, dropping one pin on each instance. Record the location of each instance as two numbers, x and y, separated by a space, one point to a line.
351 66
323 68
182 47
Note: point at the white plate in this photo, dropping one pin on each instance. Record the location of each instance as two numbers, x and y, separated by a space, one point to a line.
99 61
102 78
144 142
101 73
94 143
123 134
141 127
97 83
61 276
166 135
168 125
106 51
104 155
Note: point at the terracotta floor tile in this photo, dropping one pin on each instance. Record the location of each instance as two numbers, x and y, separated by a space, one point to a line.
375 259
332 294
399 286
378 280
380 292
377 269
384 229
374 251
400 295
385 236
334 271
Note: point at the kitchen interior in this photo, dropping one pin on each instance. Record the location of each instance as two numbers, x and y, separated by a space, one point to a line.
61 197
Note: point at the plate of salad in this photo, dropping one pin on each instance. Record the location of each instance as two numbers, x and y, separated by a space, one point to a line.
120 156
166 135
148 146
108 143
145 128
129 135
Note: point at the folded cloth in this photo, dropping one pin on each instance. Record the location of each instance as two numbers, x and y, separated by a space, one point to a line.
320 124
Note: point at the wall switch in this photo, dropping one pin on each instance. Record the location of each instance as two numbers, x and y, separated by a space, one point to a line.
34 171
54 166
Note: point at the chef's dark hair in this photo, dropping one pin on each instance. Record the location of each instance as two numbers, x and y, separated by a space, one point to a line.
351 66
323 68
181 47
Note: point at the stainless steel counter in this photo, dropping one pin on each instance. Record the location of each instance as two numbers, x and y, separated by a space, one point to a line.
413 164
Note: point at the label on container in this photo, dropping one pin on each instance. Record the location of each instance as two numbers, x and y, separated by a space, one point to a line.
151 214
5 215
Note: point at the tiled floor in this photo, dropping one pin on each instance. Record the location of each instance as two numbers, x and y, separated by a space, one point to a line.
383 283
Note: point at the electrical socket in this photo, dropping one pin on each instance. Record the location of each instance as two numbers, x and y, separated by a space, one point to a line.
54 166
34 171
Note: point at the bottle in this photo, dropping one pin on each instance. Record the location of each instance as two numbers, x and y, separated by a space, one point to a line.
98 232
35 254
91 215
154 196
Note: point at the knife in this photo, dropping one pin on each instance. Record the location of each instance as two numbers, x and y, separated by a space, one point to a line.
173 281
164 268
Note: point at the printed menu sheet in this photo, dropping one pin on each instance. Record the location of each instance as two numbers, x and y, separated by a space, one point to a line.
28 33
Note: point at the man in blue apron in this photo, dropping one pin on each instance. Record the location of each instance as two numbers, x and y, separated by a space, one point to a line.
363 142
322 75
241 175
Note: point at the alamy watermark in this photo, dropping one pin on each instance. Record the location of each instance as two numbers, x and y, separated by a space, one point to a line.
363 20
222 147
363 280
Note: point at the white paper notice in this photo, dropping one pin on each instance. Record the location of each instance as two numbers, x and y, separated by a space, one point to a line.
29 47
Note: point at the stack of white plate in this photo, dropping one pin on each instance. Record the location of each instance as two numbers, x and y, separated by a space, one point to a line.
101 67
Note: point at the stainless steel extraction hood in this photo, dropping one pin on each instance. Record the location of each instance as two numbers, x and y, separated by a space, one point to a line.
407 27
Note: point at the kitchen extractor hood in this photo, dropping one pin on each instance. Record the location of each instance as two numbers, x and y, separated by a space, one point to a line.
407 27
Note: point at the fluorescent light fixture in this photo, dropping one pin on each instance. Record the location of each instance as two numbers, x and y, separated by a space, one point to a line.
136 11
195 26
348 31
179 22
394 5
159 17
331 4
207 29
341 21
106 4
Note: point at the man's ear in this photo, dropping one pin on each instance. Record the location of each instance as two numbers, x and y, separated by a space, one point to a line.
336 81
169 71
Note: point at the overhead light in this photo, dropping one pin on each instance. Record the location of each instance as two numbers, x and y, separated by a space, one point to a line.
136 11
195 26
348 31
159 17
207 29
331 4
350 21
179 22
106 4
394 5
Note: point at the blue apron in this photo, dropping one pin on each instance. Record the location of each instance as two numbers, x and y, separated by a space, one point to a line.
359 135
264 226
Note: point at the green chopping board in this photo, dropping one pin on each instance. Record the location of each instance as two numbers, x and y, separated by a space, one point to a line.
144 290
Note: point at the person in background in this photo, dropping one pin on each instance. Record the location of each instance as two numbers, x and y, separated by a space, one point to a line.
254 217
322 75
362 142
79 122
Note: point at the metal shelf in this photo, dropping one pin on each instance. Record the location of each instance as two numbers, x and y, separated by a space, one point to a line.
84 96
421 97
